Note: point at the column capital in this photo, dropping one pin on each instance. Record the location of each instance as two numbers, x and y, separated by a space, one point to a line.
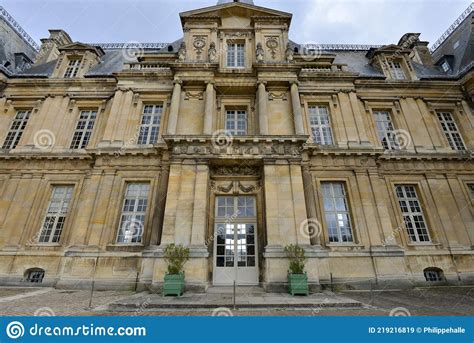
294 83
177 82
210 82
261 82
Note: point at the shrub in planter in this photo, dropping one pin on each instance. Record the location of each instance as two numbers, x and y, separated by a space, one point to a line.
297 278
176 256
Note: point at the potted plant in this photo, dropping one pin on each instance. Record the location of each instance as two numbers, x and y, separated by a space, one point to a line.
297 278
176 256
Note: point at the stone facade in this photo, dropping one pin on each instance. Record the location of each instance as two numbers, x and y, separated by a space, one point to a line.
284 159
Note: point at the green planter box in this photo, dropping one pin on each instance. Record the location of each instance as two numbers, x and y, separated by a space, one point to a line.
174 284
298 284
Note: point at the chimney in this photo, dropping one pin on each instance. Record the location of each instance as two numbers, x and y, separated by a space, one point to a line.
49 46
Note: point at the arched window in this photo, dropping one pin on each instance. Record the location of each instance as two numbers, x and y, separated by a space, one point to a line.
34 275
170 48
433 274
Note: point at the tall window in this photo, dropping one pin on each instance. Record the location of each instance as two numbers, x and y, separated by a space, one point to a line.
132 220
320 125
150 125
56 214
336 209
72 68
236 55
451 131
385 130
16 129
84 128
412 213
236 122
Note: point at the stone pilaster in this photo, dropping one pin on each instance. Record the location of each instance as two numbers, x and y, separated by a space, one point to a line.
160 201
310 203
200 210
174 109
262 108
209 108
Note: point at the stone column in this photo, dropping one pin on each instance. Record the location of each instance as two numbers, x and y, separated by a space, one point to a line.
262 108
311 203
296 103
209 109
174 109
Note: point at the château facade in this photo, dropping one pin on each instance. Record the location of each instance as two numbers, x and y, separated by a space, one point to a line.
236 141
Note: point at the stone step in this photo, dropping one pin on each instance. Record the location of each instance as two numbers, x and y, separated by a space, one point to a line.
215 300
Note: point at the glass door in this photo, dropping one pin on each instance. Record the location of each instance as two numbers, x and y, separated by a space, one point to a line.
235 248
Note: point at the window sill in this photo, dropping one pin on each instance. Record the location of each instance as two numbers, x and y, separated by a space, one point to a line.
112 245
344 245
426 244
43 245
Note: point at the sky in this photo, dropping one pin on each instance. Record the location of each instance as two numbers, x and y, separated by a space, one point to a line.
314 21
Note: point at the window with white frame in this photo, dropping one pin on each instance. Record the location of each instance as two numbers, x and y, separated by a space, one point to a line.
336 210
150 124
16 129
235 55
396 70
72 68
320 124
84 128
412 212
385 130
450 130
132 219
56 214
236 122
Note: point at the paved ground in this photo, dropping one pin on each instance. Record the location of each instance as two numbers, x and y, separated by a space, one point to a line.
431 301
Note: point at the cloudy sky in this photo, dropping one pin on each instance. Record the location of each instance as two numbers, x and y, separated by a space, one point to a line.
314 21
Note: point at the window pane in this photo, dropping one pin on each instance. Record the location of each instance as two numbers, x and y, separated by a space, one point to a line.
336 212
132 220
412 211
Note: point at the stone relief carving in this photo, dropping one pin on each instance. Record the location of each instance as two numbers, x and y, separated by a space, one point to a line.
235 171
277 95
212 53
182 52
260 53
193 95
272 45
199 44
235 187
249 149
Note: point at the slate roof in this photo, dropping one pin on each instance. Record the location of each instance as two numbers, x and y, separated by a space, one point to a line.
113 61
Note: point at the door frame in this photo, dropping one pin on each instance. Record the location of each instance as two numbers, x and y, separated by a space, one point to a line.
249 280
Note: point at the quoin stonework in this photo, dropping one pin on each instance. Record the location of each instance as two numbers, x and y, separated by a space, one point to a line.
236 141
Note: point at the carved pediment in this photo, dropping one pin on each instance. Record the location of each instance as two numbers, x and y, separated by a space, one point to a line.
78 47
237 9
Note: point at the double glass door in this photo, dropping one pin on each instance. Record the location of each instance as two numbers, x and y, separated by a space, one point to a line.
235 243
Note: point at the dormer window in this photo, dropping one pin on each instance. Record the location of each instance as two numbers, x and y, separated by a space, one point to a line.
446 67
396 70
72 68
235 55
